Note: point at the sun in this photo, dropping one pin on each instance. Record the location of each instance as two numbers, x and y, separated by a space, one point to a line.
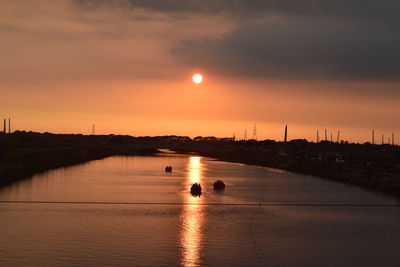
197 78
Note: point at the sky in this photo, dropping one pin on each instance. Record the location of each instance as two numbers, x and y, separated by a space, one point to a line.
126 66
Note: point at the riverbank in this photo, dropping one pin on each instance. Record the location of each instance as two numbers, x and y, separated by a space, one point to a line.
25 154
373 169
382 183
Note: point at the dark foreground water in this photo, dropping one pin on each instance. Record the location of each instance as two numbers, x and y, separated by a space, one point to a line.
135 214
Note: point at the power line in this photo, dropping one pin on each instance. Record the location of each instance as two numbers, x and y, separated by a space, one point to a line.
199 204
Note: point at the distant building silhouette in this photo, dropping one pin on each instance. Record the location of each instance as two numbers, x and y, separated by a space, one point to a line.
373 137
393 139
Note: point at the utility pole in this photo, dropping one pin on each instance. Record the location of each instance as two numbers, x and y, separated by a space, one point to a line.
331 138
317 136
9 125
382 139
326 136
338 134
5 126
93 129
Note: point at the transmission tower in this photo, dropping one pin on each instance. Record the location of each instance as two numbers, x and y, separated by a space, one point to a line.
254 132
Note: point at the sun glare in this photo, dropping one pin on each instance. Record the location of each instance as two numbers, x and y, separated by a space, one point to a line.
197 78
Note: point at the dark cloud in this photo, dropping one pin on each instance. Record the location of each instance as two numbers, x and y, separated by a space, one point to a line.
300 48
385 10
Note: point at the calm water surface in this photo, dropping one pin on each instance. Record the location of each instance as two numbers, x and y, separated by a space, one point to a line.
147 217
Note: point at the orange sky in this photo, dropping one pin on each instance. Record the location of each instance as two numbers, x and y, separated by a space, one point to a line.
65 67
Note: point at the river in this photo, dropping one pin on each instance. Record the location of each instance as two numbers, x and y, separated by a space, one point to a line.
126 211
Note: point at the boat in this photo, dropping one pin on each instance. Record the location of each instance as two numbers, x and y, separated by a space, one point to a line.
219 185
168 169
195 189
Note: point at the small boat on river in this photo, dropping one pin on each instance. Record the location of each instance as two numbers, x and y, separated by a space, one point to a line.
168 169
195 189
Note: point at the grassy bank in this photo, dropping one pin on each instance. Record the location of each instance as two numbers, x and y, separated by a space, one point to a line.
25 154
375 168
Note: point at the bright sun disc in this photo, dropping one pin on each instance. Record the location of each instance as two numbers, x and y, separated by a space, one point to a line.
197 78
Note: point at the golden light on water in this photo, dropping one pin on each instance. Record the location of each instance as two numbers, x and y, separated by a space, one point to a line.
192 217
197 78
194 170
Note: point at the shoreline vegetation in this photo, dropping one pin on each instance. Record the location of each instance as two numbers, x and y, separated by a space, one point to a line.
372 167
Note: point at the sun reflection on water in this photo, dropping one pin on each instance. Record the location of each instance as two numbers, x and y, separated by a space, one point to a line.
192 217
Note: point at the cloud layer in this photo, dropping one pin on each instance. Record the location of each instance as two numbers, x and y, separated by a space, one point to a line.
289 38
300 49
